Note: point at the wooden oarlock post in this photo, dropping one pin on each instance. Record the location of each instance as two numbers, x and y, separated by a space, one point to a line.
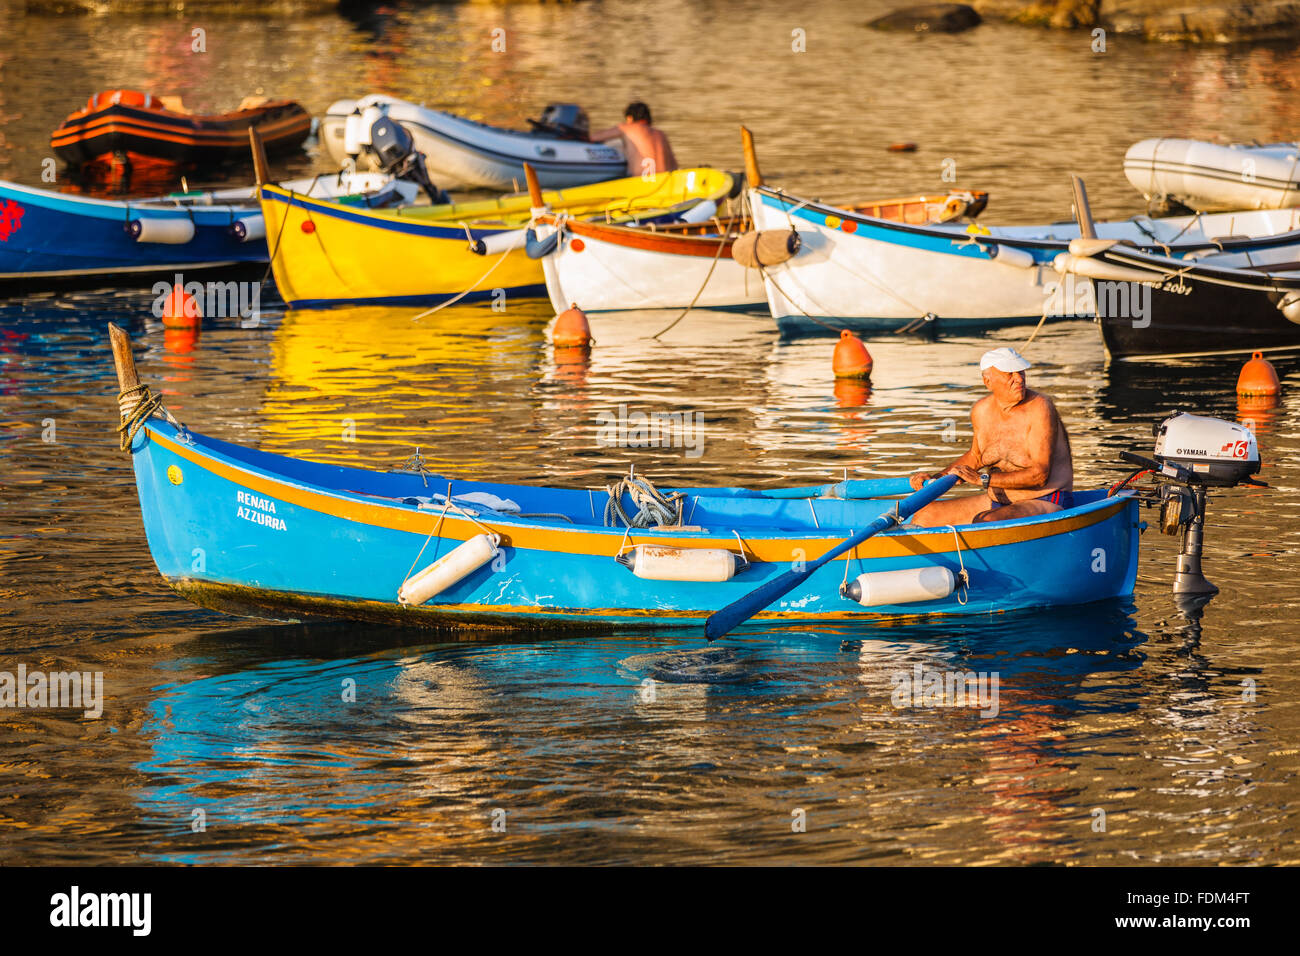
752 172
261 169
128 379
534 188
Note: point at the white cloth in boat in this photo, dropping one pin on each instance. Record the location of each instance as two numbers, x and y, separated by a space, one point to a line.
471 501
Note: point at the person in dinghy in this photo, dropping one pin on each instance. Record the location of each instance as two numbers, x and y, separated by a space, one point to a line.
647 149
1020 441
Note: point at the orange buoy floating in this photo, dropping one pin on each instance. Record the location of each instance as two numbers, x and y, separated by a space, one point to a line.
851 358
180 310
1258 377
571 329
902 147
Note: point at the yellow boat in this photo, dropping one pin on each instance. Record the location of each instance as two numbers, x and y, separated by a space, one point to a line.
324 253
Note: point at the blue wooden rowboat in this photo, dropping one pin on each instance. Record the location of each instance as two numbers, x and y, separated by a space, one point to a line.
49 238
250 532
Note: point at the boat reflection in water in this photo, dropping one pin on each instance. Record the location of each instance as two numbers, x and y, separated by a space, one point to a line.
361 385
277 733
482 393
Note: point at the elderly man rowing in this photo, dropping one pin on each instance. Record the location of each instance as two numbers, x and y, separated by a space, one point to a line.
1020 440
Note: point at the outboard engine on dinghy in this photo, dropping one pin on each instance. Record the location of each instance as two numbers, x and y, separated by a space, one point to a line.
1194 453
562 120
395 149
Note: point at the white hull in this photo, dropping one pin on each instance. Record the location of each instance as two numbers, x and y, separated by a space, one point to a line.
1207 176
462 154
606 277
884 276
890 284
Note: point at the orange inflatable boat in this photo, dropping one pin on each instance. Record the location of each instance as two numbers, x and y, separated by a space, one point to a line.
128 127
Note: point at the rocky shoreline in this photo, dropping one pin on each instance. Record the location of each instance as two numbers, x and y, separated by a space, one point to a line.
177 7
1170 20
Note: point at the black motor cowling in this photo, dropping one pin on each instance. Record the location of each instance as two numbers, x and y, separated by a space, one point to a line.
391 142
564 120
393 145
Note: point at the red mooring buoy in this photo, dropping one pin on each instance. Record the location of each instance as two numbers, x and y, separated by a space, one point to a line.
1258 377
851 358
571 329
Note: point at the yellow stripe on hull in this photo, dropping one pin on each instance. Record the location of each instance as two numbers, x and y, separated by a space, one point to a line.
605 543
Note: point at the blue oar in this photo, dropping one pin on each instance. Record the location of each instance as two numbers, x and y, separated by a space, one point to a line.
739 611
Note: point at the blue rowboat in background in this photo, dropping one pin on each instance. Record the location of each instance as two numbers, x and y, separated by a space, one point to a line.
51 239
250 532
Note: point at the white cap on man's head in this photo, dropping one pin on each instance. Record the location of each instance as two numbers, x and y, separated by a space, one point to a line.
1005 359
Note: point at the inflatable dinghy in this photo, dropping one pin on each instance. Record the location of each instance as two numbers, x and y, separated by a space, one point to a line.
462 154
127 126
1208 177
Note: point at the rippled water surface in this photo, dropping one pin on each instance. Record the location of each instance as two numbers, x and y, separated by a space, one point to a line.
634 747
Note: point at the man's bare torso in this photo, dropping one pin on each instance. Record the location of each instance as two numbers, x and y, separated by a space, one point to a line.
1002 437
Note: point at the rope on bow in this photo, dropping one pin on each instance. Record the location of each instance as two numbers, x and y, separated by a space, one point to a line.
137 405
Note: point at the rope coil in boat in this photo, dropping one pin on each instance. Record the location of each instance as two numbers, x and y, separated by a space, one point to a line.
653 508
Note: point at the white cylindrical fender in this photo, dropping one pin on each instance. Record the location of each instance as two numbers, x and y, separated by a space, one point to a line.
700 212
499 242
454 566
1010 256
1099 269
171 232
352 134
659 563
879 588
249 228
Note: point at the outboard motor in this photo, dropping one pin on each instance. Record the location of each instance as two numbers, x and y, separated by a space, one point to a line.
563 120
395 149
1194 453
